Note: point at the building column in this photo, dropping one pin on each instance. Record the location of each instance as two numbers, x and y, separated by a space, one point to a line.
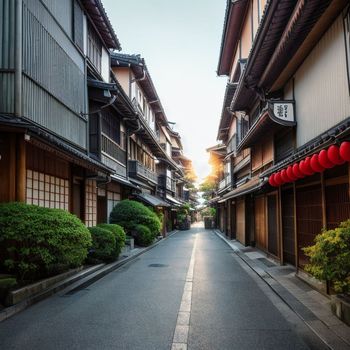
21 169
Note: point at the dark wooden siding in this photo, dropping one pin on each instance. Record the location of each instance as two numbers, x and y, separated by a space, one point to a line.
284 144
47 163
272 224
7 167
260 223
337 204
111 126
309 218
94 48
95 134
78 25
288 232
62 11
240 221
7 55
54 81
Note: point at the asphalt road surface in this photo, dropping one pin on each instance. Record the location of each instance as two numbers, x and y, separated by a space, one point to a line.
189 292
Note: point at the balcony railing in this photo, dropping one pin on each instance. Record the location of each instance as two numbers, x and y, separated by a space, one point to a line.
136 169
112 149
167 182
225 182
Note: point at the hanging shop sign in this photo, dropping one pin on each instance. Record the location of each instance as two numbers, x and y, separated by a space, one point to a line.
317 163
282 112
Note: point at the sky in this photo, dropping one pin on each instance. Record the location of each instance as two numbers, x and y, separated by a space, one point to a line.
180 42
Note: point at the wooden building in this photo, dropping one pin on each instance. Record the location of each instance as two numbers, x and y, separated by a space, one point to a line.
48 49
79 129
150 158
287 98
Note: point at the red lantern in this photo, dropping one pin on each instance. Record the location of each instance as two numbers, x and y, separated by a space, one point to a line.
284 176
290 173
315 164
307 166
278 179
344 150
303 169
334 156
324 160
272 180
296 171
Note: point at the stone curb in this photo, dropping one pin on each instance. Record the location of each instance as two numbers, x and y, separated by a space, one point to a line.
77 281
277 288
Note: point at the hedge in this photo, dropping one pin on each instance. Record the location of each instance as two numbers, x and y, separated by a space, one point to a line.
128 214
119 235
103 245
143 235
36 242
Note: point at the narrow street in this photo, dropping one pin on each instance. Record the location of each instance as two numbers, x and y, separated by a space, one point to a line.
146 304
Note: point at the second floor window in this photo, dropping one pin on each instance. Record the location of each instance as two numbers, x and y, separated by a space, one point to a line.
78 25
94 48
111 127
242 128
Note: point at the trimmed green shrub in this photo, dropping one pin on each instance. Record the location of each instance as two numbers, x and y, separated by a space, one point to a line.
128 214
34 241
103 245
119 235
6 285
330 257
143 236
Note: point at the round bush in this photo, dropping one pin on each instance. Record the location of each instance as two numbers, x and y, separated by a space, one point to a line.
330 257
143 236
119 235
36 241
128 214
103 245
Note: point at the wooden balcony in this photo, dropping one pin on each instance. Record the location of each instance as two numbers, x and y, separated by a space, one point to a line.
136 169
112 149
167 182
224 183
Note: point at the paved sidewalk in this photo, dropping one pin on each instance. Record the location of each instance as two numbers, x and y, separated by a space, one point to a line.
310 305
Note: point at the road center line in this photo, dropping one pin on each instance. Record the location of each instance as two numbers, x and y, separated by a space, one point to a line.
183 317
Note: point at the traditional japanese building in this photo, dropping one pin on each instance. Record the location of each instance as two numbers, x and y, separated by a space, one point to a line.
287 100
150 162
49 52
79 130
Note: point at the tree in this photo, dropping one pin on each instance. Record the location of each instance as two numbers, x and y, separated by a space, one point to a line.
208 187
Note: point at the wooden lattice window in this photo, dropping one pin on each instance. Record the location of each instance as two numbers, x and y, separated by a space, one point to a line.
94 48
47 191
90 203
113 199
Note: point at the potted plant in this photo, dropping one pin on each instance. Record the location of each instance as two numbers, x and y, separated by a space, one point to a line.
208 215
182 217
330 262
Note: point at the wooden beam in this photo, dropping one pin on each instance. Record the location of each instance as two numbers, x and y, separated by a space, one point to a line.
323 199
296 250
12 168
279 224
21 169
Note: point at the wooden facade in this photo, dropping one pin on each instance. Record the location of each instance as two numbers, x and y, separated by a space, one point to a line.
66 140
314 75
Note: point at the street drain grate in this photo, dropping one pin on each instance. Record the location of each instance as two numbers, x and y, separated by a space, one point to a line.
158 265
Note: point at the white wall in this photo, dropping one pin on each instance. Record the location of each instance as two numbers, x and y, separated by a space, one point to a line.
105 65
321 86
